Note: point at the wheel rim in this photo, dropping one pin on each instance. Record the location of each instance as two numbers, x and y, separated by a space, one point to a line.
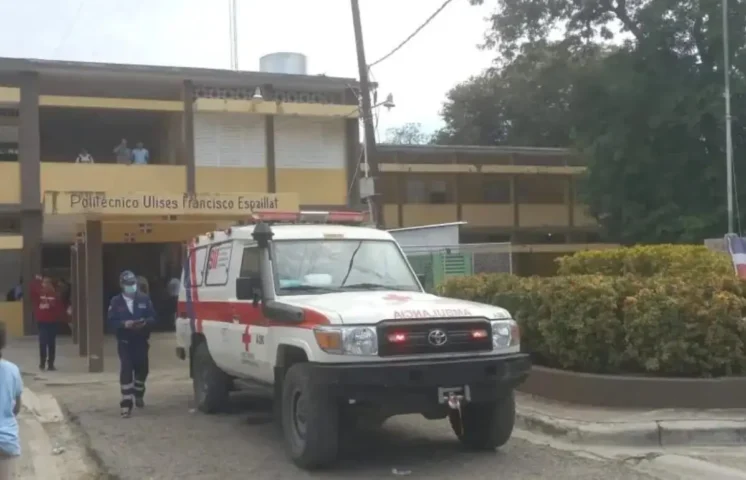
299 415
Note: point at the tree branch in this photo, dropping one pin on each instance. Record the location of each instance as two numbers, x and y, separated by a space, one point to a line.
621 12
701 44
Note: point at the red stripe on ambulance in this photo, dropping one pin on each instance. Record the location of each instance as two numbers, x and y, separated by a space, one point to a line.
247 314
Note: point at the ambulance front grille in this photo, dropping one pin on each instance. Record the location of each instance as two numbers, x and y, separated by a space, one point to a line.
396 338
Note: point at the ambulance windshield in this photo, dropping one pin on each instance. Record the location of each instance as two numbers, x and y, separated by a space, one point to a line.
327 266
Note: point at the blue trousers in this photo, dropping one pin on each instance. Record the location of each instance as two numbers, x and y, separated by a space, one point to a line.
133 369
47 343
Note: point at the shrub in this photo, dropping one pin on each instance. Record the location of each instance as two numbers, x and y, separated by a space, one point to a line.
648 260
661 325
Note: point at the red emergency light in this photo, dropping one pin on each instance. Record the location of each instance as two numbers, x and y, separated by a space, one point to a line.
312 217
397 337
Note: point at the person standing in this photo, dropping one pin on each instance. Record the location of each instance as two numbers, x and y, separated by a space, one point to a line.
140 155
131 315
48 310
123 153
11 388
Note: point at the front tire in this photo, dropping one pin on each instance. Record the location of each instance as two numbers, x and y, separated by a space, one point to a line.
486 426
310 420
211 384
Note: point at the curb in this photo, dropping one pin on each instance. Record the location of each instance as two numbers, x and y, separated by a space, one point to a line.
655 433
43 406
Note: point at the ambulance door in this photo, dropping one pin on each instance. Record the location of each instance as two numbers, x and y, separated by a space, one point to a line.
216 298
252 354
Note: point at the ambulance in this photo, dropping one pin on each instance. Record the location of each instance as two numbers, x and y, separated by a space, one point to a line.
326 315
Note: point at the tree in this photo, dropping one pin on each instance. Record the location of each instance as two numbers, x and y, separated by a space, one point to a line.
408 134
635 87
525 103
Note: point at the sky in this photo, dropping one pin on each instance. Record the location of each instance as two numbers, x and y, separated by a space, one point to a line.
194 33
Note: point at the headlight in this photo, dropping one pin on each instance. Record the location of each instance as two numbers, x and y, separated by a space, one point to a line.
347 340
505 334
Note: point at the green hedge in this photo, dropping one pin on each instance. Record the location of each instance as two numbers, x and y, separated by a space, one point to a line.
659 324
648 260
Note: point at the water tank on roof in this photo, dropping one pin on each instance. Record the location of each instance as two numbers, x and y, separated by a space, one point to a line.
284 62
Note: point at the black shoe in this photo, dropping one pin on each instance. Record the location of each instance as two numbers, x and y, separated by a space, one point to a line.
126 412
139 402
41 366
51 368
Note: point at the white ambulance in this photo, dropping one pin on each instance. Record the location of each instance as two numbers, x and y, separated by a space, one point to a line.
328 316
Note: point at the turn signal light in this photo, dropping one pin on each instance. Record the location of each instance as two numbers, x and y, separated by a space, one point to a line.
328 340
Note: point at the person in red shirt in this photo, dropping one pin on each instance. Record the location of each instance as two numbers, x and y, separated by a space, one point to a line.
48 309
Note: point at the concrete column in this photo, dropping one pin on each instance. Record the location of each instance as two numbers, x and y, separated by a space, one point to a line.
82 299
456 192
570 202
31 212
95 293
187 135
269 140
74 291
514 201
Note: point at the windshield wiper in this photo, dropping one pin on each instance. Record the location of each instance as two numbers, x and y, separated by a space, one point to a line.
377 286
307 288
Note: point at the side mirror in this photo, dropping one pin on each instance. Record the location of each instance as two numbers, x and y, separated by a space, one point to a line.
249 288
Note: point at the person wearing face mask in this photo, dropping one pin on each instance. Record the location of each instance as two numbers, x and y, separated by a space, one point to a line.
131 315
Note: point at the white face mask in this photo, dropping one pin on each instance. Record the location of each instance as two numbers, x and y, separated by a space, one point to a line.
130 289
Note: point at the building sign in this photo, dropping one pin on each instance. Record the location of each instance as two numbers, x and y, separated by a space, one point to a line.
207 204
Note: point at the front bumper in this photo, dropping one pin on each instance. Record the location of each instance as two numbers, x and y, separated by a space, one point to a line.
414 384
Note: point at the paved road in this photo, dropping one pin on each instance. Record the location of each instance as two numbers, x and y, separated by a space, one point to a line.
169 440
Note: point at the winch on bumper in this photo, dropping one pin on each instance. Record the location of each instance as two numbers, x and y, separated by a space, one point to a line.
409 386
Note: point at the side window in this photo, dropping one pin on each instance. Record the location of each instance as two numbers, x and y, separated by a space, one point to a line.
198 256
250 262
218 264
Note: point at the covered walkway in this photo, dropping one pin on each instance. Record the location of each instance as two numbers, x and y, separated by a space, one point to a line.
96 218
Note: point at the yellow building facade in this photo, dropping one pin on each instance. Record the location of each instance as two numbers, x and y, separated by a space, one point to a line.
218 141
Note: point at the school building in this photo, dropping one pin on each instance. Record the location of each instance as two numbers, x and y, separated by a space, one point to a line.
522 195
221 143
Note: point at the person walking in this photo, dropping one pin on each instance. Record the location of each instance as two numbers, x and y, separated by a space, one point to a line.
131 315
11 387
48 310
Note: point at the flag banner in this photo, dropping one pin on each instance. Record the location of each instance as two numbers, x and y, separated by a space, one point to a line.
737 249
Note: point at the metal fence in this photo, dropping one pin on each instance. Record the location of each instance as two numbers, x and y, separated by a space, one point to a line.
482 258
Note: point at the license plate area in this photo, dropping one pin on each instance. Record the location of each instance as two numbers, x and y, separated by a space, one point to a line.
446 395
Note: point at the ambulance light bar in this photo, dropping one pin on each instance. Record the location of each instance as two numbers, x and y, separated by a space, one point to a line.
341 217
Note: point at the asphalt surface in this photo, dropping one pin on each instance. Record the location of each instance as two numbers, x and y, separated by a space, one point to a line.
168 440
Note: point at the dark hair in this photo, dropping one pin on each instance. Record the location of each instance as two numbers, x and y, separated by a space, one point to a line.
3 337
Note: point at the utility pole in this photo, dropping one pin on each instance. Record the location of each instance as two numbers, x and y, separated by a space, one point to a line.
728 119
233 32
369 142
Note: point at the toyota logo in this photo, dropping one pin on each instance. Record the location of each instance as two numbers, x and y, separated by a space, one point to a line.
437 338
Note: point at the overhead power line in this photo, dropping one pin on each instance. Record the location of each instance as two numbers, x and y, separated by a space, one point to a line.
70 28
406 40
